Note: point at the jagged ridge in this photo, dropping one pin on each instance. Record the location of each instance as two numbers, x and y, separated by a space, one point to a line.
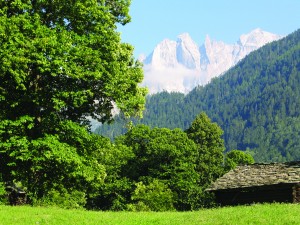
182 65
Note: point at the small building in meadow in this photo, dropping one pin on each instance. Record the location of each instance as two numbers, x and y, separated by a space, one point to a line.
258 183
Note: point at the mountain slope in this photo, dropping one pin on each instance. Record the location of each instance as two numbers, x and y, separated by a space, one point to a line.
182 65
256 103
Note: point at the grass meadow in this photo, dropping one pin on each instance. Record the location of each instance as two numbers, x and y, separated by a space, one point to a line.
255 214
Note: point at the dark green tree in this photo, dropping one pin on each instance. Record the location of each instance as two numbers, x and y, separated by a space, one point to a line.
209 163
208 136
116 188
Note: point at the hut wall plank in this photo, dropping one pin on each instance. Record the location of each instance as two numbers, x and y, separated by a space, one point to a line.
256 196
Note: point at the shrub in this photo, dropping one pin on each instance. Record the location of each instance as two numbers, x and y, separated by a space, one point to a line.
156 196
3 194
63 199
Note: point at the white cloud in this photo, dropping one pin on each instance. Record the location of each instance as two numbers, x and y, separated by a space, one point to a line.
177 79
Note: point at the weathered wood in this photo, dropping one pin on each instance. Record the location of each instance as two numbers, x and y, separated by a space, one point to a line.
257 183
296 193
240 196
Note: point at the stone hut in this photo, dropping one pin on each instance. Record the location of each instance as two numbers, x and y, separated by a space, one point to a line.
258 183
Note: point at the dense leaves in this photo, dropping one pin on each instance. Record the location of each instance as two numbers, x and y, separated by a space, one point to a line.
235 158
64 67
207 136
171 169
166 155
155 196
48 163
62 62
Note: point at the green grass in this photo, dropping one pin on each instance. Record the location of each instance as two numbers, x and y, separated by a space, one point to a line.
256 214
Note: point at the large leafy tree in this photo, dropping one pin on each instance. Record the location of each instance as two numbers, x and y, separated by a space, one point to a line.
64 60
60 62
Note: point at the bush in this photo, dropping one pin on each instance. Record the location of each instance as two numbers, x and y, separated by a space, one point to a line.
156 196
3 194
63 199
237 157
138 207
119 203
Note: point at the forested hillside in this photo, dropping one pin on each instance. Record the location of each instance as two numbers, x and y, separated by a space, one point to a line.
256 103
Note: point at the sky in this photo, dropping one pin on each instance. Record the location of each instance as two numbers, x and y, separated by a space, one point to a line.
223 20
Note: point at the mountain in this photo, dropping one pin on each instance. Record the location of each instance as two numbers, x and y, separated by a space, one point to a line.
181 65
256 103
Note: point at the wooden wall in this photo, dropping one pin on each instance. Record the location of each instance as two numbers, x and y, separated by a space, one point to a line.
275 193
296 193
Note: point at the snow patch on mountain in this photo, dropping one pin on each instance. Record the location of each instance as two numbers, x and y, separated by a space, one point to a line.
179 66
187 52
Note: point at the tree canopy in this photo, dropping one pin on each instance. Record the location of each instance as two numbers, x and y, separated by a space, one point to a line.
65 61
166 155
61 62
234 158
208 136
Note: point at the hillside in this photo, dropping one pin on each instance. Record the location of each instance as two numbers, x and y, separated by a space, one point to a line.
256 103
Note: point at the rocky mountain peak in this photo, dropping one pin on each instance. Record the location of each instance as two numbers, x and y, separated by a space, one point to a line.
187 52
181 65
163 55
257 37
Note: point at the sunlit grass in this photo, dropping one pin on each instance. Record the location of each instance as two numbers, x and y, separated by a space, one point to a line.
255 214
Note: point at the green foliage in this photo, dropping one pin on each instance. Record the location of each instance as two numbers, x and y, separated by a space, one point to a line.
114 191
170 166
208 137
166 155
42 164
234 158
156 196
3 194
63 199
62 62
60 68
209 163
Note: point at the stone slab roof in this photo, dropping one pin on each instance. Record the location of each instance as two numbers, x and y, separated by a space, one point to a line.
257 175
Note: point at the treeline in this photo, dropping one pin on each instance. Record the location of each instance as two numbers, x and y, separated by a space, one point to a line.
256 104
145 169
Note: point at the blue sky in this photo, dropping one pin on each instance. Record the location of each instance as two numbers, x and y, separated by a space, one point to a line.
155 20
